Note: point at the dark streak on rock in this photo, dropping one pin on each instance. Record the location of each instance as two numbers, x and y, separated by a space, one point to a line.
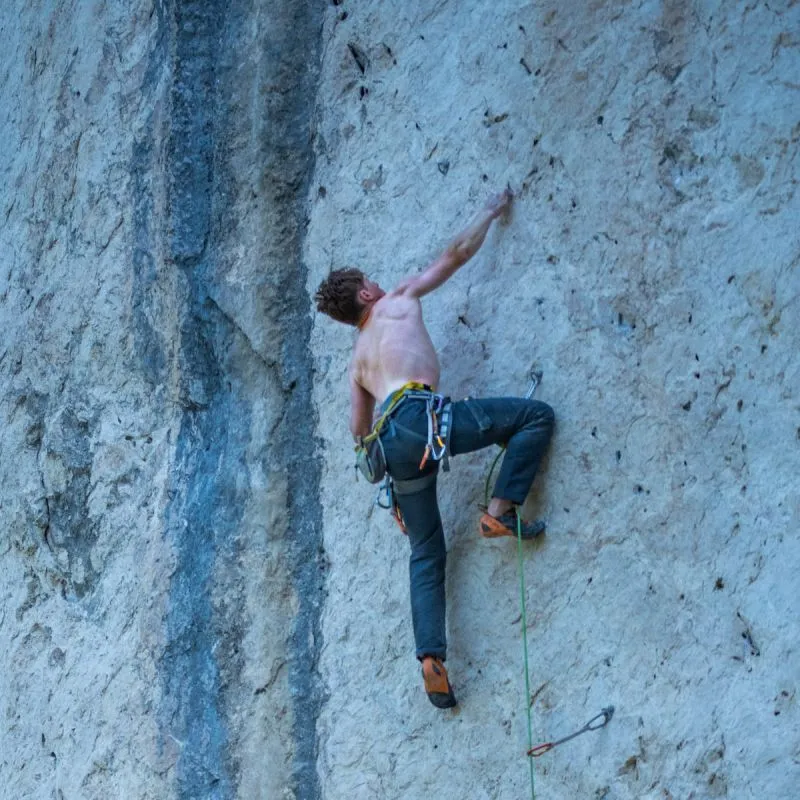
296 28
205 509
359 56
147 339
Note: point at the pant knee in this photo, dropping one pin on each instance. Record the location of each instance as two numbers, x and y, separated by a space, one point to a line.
429 561
542 414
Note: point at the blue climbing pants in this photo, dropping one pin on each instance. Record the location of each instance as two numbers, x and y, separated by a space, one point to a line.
523 426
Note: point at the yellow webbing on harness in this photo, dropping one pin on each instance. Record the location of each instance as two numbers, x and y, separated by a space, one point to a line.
394 399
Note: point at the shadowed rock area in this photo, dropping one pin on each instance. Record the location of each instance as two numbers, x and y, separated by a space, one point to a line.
197 598
162 565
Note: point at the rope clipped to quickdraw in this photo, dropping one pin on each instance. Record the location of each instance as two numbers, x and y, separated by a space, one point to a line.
594 724
524 617
535 379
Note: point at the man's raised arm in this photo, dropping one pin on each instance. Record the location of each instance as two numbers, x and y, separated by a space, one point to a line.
461 249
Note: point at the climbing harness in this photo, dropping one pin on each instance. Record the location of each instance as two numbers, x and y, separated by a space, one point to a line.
370 458
594 724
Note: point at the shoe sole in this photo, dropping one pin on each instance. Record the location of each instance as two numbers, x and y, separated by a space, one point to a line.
443 700
493 528
437 686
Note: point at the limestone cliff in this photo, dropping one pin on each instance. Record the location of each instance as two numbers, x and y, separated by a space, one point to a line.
197 598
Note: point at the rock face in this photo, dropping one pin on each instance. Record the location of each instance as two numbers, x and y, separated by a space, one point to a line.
197 598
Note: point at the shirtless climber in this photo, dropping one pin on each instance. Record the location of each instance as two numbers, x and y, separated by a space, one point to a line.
394 362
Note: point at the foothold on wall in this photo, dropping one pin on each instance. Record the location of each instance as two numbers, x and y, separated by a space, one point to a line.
359 56
747 635
493 119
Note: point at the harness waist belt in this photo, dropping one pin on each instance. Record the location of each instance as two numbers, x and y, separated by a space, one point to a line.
420 389
436 448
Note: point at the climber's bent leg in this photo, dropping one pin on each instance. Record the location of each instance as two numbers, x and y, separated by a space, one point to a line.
523 426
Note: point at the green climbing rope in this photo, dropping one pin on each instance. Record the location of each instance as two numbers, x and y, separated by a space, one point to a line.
525 647
523 617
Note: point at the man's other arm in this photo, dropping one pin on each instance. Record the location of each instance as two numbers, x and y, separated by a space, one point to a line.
461 250
362 405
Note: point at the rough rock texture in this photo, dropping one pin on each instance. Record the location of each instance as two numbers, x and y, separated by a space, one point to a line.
159 609
652 270
196 598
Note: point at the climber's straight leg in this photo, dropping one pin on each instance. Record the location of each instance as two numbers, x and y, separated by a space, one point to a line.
523 426
426 570
403 438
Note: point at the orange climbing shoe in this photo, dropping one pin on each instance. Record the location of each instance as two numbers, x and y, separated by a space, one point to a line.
437 686
506 525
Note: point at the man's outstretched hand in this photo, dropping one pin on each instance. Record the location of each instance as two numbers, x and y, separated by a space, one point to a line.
498 204
460 250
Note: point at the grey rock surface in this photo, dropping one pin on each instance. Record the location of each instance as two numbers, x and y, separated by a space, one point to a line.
160 570
196 598
651 269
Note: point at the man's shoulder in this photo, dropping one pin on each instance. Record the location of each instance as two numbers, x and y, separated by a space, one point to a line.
395 306
397 297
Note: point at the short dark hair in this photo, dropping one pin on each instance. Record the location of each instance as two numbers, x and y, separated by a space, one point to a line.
337 295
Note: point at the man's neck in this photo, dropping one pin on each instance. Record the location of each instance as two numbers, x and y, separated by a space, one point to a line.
364 318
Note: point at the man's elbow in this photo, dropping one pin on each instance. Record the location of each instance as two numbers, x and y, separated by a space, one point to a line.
456 256
452 258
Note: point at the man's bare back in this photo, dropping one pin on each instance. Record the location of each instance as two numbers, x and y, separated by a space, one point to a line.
394 348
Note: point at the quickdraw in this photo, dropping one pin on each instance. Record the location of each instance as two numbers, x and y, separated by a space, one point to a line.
436 446
594 724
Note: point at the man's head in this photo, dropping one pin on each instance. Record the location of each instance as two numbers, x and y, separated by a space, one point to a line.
345 294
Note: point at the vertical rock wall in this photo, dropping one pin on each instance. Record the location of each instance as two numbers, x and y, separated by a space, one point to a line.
197 599
652 270
160 582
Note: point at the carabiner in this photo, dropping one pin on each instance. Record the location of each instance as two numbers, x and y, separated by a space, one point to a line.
385 489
